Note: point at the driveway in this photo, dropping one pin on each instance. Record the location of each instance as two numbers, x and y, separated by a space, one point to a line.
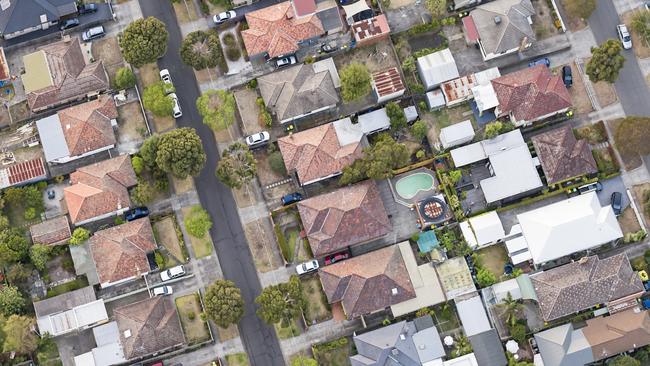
610 186
260 341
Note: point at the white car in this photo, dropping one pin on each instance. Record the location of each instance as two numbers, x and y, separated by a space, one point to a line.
286 61
167 79
224 17
177 108
172 273
257 139
93 33
307 267
162 290
624 36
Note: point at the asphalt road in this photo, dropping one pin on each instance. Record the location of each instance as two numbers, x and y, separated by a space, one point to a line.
630 86
260 341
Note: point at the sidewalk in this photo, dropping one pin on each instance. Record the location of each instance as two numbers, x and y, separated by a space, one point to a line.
321 332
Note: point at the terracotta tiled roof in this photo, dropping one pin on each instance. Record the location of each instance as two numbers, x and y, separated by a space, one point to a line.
51 232
316 153
304 7
620 332
531 93
580 285
120 252
72 78
369 282
152 325
87 127
99 189
562 156
276 30
345 217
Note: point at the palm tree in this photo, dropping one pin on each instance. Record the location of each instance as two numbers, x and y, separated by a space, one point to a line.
462 347
511 308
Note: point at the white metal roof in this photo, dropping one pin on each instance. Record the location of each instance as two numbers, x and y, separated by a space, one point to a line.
435 99
484 77
562 228
466 360
468 154
487 228
485 97
346 132
514 173
468 234
473 316
73 319
374 121
437 67
52 138
457 134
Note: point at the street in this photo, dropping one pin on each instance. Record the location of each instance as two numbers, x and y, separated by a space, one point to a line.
260 341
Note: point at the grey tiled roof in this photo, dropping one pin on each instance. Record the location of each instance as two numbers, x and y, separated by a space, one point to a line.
512 28
23 14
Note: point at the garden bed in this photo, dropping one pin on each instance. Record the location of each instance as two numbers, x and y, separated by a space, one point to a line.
594 133
628 221
333 353
606 161
189 311
168 234
80 282
318 309
202 246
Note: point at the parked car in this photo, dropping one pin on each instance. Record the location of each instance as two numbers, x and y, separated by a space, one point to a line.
567 76
307 267
257 139
162 290
541 61
136 213
172 273
596 186
167 79
337 257
87 8
617 205
328 47
286 61
70 23
93 33
624 36
291 198
224 17
177 108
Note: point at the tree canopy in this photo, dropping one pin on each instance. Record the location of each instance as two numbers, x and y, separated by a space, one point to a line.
79 235
124 78
19 336
223 303
180 152
282 302
39 255
217 107
378 162
606 61
625 360
156 100
144 41
14 246
11 301
436 7
202 49
355 82
198 222
396 116
237 166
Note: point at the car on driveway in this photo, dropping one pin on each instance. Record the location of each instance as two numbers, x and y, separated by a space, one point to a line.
136 213
172 273
624 36
93 33
70 23
257 139
87 8
224 17
307 267
541 61
595 186
286 61
617 206
567 76
291 198
162 290
331 259
328 47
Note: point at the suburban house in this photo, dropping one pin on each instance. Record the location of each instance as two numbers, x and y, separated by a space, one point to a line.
120 252
387 85
603 337
563 157
108 350
55 231
18 17
484 339
500 27
436 68
560 229
24 172
370 31
457 134
512 169
414 343
71 311
327 11
79 131
100 190
276 31
300 91
531 94
322 152
340 219
368 283
581 285
57 73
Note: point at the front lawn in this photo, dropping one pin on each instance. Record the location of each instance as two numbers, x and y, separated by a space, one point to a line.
237 359
166 233
202 246
333 353
189 311
606 161
293 330
594 133
317 307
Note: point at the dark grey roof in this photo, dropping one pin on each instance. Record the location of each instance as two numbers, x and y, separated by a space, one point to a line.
64 301
23 14
423 322
488 348
510 30
330 18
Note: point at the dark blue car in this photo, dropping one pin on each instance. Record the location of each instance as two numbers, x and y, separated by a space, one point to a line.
291 198
136 213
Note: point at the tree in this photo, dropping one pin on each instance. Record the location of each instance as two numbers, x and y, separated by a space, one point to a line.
606 61
138 164
149 151
223 303
511 309
419 130
276 162
461 347
641 25
217 107
355 82
304 361
11 301
237 166
436 7
144 41
396 116
198 222
79 236
201 49
14 246
124 78
580 8
17 273
19 335
143 193
485 278
156 100
493 129
625 360
518 333
180 152
282 302
39 255
385 156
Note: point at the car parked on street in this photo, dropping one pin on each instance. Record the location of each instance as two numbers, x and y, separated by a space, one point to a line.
567 76
172 273
93 33
286 61
224 17
541 61
617 205
87 8
162 291
176 109
257 139
337 257
70 23
307 267
291 198
136 213
624 36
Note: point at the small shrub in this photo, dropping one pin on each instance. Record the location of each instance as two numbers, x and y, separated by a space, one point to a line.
518 333
229 40
138 164
415 237
191 315
252 85
420 154
277 163
160 260
30 213
205 9
233 53
59 179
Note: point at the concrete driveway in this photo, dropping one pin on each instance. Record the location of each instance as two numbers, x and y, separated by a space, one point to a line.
610 186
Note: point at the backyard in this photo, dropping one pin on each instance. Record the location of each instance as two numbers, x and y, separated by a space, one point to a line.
318 309
544 24
189 311
493 258
80 282
202 246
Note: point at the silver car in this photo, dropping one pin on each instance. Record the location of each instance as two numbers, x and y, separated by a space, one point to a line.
172 273
624 36
307 267
162 290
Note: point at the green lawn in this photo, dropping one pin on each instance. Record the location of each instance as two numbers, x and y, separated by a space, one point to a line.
237 359
68 286
493 258
287 332
189 311
202 246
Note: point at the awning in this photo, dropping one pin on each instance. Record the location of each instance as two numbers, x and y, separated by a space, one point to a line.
428 241
355 8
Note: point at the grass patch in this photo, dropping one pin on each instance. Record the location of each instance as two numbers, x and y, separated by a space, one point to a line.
630 137
334 353
189 310
605 161
287 332
80 282
594 134
639 264
183 185
228 333
445 317
317 307
493 258
237 359
202 246
441 118
285 248
167 234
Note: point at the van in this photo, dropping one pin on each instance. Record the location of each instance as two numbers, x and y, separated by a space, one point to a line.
93 33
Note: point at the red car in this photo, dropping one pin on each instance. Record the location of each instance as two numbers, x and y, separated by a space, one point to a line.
331 259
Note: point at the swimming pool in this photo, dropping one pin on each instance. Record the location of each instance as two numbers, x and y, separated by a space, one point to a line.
408 187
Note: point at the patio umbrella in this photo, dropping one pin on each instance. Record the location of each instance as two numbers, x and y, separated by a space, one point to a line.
512 346
449 341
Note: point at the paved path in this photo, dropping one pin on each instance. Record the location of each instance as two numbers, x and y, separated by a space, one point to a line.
260 341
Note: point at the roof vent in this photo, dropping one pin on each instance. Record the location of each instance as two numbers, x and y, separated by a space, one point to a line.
497 20
422 346
402 337
127 333
394 291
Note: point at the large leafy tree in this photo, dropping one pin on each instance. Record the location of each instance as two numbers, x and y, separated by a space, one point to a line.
606 61
144 41
19 336
282 302
217 107
156 100
237 166
355 82
379 161
11 301
223 303
149 151
14 246
201 49
39 255
180 152
396 116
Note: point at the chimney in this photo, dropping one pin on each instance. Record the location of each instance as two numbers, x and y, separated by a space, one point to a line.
497 20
